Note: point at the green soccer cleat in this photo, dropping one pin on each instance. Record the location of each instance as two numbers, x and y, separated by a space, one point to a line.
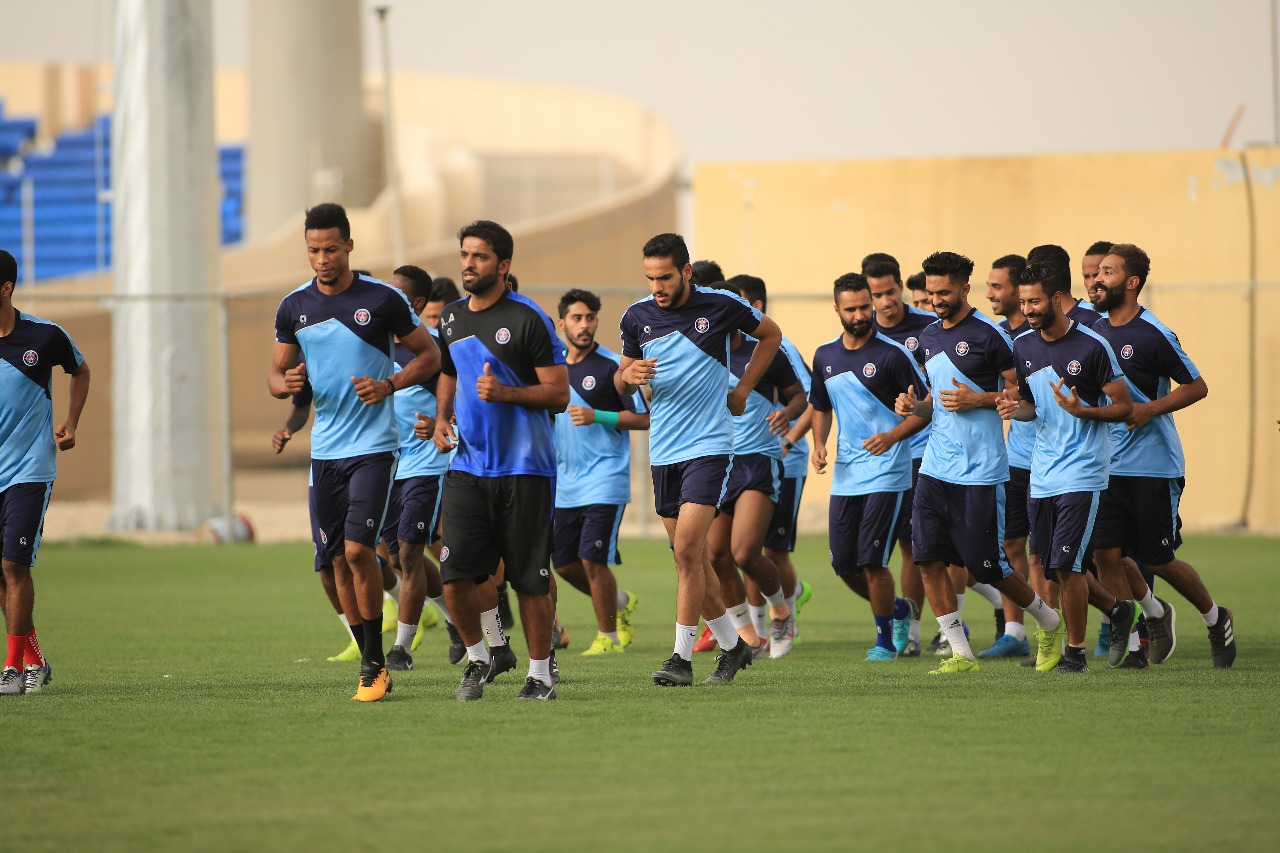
1049 648
390 614
417 638
806 593
430 616
954 664
602 645
624 626
350 653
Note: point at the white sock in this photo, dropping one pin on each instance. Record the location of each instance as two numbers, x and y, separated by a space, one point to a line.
540 670
953 630
913 632
685 635
990 593
1135 642
1046 617
478 653
493 628
394 592
739 616
724 632
1106 620
791 600
1151 608
759 620
1016 630
1211 618
438 601
347 625
776 599
613 636
960 602
621 598
404 634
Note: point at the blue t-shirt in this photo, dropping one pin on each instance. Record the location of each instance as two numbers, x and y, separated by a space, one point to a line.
907 333
1071 454
348 334
514 337
966 448
593 462
796 462
1084 313
418 458
1021 440
861 387
689 411
750 429
28 354
1150 355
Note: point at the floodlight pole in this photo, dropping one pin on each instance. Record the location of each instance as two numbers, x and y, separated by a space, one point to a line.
389 142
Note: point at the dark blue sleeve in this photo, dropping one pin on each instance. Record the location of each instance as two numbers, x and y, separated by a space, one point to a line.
400 317
284 323
818 389
446 361
304 397
781 373
630 340
1024 387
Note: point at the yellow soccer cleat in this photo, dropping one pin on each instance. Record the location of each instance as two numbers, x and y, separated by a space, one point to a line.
624 620
430 616
954 664
602 645
390 614
1049 647
350 653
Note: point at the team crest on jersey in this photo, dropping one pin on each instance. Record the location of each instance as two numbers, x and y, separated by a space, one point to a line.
363 316
912 342
1126 351
588 382
30 358
701 324
444 553
503 335
868 370
1074 368
962 348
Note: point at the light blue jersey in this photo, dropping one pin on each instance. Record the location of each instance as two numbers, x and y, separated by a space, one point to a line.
751 428
418 458
28 355
593 462
1021 440
796 462
907 332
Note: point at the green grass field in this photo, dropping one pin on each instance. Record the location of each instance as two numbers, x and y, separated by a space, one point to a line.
191 708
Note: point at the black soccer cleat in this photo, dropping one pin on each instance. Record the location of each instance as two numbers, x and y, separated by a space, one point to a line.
676 672
728 663
399 660
503 660
999 623
505 615
1222 640
1072 662
1136 660
473 681
1123 621
554 667
535 689
1164 636
457 648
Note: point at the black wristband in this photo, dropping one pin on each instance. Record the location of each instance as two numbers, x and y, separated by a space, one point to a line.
787 443
389 385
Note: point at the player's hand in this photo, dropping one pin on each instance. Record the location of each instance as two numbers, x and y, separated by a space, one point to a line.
778 423
878 443
1007 404
489 388
819 458
1140 416
960 398
65 436
445 438
280 439
737 401
424 427
371 391
641 371
295 378
1071 403
582 415
906 403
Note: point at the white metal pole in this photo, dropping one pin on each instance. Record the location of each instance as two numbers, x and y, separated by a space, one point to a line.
389 142
28 231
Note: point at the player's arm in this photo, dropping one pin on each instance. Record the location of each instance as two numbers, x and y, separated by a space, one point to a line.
551 392
1179 398
881 442
298 416
910 404
424 364
821 429
797 402
442 434
288 376
584 416
633 374
1014 408
1117 410
962 398
65 435
798 430
769 338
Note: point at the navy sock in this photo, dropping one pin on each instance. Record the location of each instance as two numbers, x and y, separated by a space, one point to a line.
901 610
884 632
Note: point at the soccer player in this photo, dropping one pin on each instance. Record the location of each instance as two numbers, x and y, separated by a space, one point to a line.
1080 310
1139 512
443 291
593 472
338 330
1069 385
904 325
503 374
413 516
957 516
858 377
1090 263
30 348
919 294
706 273
676 341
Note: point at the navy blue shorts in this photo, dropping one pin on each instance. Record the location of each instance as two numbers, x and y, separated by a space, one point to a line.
587 533
695 481
1016 493
413 514
487 519
1140 515
782 527
860 530
22 508
903 533
318 538
1064 524
960 525
752 472
351 497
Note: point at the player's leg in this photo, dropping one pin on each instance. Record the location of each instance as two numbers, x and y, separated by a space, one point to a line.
733 592
598 547
469 557
878 523
368 480
22 510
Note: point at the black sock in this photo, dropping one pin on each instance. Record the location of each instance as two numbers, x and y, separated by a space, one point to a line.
1074 653
372 651
357 631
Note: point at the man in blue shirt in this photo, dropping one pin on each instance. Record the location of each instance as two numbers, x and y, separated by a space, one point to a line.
593 472
957 517
339 331
1069 385
503 376
30 348
858 377
1139 514
677 342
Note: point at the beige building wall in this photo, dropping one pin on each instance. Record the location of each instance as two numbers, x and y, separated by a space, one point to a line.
800 225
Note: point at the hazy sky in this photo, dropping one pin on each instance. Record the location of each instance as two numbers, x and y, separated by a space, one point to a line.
761 79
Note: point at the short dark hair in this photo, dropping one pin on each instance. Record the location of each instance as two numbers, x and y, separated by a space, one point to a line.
1057 257
915 281
1102 247
498 238
879 264
1045 275
586 297
1015 264
8 268
443 289
668 246
513 282
1136 262
850 282
706 272
328 215
954 266
751 288
420 281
